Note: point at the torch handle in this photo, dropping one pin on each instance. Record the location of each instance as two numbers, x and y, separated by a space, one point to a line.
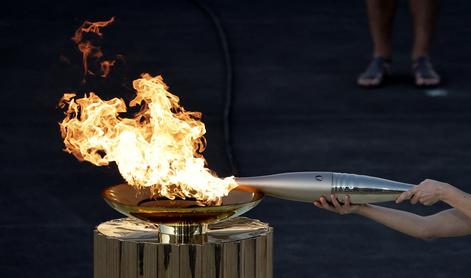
310 186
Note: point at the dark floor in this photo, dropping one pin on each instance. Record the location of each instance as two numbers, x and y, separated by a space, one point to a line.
296 107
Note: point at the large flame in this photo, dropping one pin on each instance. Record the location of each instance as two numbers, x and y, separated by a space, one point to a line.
160 147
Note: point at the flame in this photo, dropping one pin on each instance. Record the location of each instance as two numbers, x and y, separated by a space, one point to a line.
90 50
160 147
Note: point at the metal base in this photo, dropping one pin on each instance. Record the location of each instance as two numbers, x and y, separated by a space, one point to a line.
183 229
128 248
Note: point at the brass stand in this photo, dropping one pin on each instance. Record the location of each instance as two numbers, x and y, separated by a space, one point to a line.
128 248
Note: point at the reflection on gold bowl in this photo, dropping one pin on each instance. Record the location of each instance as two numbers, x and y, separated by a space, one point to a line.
172 215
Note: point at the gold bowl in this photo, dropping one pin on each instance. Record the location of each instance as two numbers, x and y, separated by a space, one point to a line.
178 216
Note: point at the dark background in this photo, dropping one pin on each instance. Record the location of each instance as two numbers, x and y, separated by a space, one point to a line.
295 107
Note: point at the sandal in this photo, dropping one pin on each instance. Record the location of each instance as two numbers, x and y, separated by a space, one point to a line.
424 73
376 73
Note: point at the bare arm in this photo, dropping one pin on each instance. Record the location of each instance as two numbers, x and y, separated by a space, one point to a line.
459 200
448 223
429 192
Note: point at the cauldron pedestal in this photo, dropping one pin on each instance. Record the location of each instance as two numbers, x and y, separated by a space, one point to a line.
238 247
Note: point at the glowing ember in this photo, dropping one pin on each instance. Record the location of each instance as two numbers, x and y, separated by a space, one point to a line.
160 147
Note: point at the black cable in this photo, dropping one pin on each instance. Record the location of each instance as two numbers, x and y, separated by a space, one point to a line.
226 116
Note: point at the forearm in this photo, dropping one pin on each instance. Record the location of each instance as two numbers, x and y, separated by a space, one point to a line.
458 199
404 222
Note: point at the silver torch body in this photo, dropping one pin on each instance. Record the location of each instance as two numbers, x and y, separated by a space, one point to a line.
310 186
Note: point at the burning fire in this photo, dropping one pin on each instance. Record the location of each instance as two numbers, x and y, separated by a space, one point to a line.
160 147
89 49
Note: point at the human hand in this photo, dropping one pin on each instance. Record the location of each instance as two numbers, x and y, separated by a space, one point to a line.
427 193
336 207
